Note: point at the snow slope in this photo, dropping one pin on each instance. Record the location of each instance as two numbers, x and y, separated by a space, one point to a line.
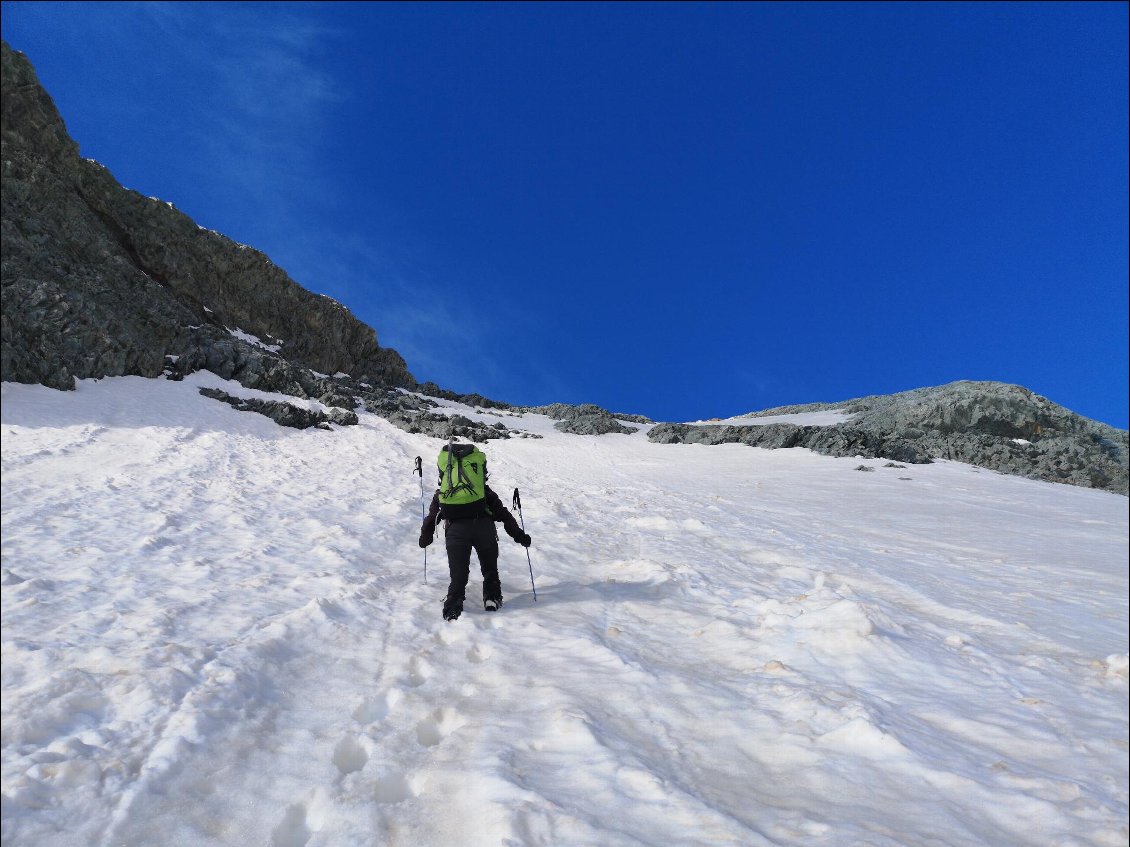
216 632
828 418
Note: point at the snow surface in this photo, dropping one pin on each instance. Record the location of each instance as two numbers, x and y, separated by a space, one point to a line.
830 417
216 632
253 339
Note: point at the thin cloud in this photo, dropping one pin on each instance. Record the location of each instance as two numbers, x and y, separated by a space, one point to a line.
263 93
247 108
465 342
260 122
410 311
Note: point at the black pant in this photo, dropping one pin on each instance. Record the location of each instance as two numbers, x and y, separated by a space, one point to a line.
463 536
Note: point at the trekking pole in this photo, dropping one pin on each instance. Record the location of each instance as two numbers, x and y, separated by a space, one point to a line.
517 503
420 470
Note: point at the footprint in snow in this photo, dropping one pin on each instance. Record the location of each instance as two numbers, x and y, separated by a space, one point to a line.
437 726
451 635
292 831
300 821
377 708
479 653
419 671
349 755
395 788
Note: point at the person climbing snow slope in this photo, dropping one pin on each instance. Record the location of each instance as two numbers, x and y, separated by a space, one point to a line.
469 510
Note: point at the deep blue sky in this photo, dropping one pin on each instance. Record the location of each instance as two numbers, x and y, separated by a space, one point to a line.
678 210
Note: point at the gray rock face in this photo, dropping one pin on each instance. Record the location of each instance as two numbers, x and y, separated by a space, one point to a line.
1006 428
585 419
101 281
414 415
433 390
284 414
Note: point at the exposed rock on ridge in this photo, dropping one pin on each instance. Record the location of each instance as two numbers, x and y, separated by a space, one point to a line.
101 281
98 280
284 414
990 424
586 419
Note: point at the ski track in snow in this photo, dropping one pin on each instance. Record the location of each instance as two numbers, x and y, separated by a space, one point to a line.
216 632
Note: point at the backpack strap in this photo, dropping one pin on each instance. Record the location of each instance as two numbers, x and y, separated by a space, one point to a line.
447 477
459 481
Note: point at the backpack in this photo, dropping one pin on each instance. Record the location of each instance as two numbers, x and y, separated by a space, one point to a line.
462 480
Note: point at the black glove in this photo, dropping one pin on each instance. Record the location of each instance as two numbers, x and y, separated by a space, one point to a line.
426 538
524 539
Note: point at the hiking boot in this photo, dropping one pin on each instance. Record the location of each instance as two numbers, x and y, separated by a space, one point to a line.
492 604
452 609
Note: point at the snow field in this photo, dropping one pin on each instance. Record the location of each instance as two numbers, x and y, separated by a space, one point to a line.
215 631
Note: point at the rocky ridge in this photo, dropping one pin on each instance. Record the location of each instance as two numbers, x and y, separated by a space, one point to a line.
993 425
98 280
101 281
586 419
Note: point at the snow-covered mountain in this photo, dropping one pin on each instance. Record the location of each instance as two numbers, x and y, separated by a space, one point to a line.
216 631
1002 427
101 281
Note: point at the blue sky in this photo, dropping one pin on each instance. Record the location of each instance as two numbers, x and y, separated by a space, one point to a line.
680 210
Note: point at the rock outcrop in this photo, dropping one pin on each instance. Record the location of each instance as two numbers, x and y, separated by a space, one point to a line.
284 414
101 281
585 419
98 280
989 424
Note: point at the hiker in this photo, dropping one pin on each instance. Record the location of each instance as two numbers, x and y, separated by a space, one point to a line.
469 509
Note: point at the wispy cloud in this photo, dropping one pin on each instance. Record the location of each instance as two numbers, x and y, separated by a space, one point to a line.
245 101
263 92
459 341
266 103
